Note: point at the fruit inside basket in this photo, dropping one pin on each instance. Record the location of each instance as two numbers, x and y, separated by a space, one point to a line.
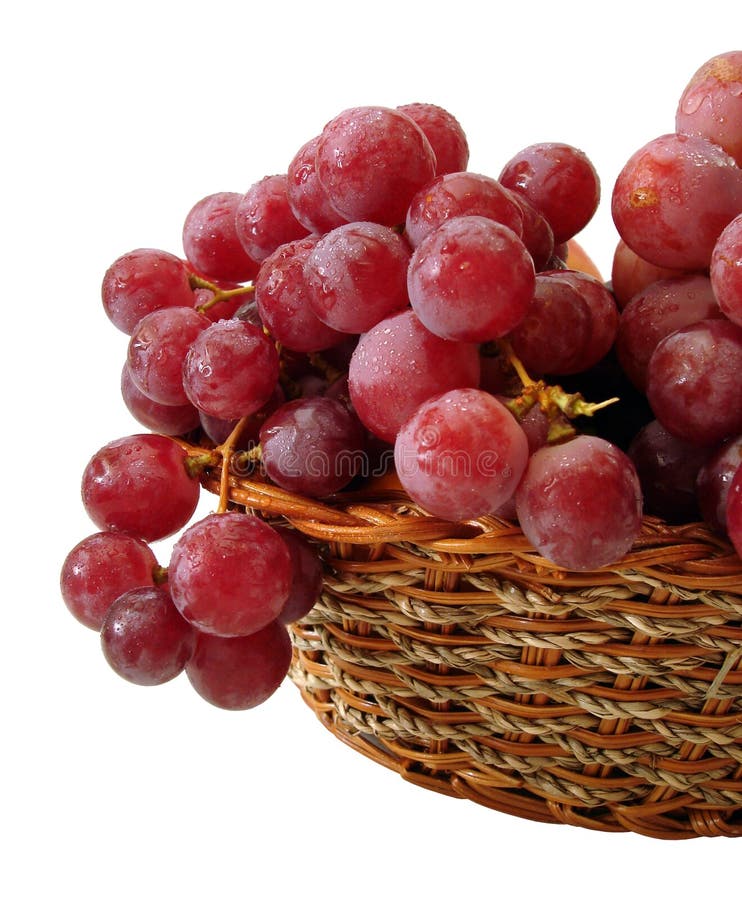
483 506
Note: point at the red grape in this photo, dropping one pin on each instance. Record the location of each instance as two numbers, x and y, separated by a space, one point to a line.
282 294
711 104
101 568
471 280
603 313
580 503
726 270
264 219
673 198
306 196
210 239
240 672
631 274
446 136
306 581
139 485
142 281
461 454
656 311
734 511
312 446
172 420
714 480
145 639
157 349
560 181
693 381
460 194
230 574
536 232
231 369
398 364
667 468
370 161
356 276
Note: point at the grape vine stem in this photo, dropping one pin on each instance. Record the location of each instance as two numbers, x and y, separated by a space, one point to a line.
220 295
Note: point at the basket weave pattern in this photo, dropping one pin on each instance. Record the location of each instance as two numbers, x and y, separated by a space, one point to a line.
458 657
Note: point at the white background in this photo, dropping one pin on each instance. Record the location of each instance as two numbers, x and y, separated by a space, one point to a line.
116 119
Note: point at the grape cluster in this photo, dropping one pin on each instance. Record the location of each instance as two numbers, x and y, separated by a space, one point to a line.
377 306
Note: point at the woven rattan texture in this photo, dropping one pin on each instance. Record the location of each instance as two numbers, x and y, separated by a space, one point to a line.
456 656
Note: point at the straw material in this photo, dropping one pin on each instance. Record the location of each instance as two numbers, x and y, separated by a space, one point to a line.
458 657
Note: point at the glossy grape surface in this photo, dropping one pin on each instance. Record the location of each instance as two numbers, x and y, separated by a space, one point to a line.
398 364
461 455
159 417
99 569
230 574
139 485
726 270
446 136
142 281
231 369
370 161
145 639
580 503
241 672
210 240
264 219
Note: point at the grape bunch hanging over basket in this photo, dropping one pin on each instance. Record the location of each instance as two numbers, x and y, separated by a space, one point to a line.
431 428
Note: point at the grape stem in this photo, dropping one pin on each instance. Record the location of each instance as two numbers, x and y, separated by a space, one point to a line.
226 451
555 402
220 295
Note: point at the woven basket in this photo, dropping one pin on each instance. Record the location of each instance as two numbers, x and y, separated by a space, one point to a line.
460 658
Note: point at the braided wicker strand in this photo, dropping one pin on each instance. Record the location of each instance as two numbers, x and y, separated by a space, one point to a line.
456 656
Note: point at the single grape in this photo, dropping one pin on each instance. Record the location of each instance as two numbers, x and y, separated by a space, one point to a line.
157 349
446 136
230 574
550 340
370 161
264 219
171 420
398 364
711 104
218 430
673 198
312 446
693 382
210 239
714 480
560 181
144 638
461 455
356 275
654 312
240 672
101 568
471 280
603 313
231 369
139 485
667 468
306 196
142 281
460 194
726 270
580 503
631 274
734 511
282 293
536 232
307 577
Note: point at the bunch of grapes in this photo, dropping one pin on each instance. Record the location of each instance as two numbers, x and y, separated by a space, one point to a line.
377 306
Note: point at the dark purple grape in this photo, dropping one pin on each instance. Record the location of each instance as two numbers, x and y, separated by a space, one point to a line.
145 639
313 446
714 480
307 576
240 672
